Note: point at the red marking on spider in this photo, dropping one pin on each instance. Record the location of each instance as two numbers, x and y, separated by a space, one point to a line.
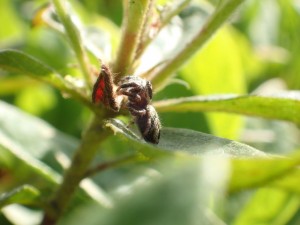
98 90
138 93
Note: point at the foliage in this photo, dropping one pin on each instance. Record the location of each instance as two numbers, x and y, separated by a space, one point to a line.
225 80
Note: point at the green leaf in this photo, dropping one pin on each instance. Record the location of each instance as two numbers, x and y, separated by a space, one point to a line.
24 141
26 195
19 62
11 29
281 207
30 149
285 106
16 61
194 185
250 168
207 72
182 194
14 84
288 182
187 141
257 172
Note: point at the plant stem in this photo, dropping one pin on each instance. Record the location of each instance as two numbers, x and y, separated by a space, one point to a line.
166 17
159 77
133 20
92 137
75 39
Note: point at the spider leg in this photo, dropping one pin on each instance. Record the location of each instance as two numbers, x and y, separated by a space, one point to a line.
136 112
133 97
134 89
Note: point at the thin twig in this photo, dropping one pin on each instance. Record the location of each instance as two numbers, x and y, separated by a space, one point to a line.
111 164
173 9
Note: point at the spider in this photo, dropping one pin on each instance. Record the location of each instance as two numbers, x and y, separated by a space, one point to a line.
139 93
139 96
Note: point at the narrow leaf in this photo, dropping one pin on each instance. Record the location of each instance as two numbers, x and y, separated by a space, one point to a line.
289 182
16 61
257 172
285 106
19 62
281 207
26 195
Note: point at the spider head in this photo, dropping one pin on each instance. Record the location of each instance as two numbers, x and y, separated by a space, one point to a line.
136 88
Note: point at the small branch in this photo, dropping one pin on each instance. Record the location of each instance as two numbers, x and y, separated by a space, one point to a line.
175 9
93 136
166 17
145 30
133 20
110 164
160 76
75 40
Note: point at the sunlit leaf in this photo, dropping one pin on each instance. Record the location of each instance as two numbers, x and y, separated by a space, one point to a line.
26 195
255 172
19 62
15 83
284 106
16 61
288 182
188 141
280 206
10 30
219 71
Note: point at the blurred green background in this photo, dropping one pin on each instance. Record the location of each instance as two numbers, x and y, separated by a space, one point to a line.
257 53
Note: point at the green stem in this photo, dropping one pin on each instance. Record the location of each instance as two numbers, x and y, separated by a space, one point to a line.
75 40
133 20
93 136
165 19
159 77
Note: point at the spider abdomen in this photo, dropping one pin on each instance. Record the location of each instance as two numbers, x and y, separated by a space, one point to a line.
149 125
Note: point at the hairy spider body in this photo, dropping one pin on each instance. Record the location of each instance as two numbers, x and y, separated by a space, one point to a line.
103 90
148 124
139 93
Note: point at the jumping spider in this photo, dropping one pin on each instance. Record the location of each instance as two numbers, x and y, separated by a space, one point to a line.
139 96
